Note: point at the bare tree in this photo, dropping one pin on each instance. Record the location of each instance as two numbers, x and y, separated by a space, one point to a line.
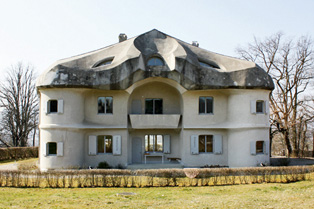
290 64
19 104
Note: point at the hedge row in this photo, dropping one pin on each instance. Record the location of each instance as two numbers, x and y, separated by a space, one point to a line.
18 153
154 178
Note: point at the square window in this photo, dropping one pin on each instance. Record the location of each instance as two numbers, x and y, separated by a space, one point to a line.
259 147
153 106
153 143
52 106
52 148
205 105
104 144
259 106
105 105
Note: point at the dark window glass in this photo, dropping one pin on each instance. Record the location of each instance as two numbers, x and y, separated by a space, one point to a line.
259 106
103 63
53 106
52 148
104 144
105 105
260 147
153 106
205 143
155 61
205 105
153 143
108 142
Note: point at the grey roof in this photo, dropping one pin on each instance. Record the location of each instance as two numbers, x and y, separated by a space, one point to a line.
129 65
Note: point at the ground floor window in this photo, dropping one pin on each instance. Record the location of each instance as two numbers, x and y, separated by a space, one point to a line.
153 143
260 147
52 148
205 143
104 144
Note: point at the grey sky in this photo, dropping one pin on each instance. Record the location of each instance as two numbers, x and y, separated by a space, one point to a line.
41 32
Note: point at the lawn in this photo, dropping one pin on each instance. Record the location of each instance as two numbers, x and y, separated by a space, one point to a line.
292 195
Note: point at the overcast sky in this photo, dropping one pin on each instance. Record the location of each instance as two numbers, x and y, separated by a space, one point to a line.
42 32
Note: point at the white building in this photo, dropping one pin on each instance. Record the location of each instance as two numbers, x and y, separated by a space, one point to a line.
153 97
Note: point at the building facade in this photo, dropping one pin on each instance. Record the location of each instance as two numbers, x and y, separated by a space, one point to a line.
153 99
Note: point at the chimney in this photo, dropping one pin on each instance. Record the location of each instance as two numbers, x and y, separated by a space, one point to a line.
122 37
195 43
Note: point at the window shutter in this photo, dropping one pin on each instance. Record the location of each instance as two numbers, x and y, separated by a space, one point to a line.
45 107
92 145
60 106
45 150
167 143
116 145
60 149
266 107
253 106
266 147
194 145
218 144
253 148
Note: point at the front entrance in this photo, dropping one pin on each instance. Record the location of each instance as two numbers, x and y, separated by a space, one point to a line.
136 150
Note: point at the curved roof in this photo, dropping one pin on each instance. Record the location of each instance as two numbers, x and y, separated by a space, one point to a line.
125 63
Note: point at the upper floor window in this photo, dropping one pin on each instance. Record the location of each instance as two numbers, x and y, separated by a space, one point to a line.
105 105
206 64
153 106
54 106
206 105
155 61
153 143
205 143
103 63
260 106
104 144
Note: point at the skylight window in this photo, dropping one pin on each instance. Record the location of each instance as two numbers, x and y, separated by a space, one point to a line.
211 65
155 61
104 63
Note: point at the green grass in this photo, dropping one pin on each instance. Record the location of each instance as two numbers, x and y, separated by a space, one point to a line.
293 195
2 162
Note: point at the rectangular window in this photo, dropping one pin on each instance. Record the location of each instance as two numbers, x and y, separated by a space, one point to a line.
260 147
205 143
104 144
153 106
52 106
206 105
153 143
52 148
259 106
105 105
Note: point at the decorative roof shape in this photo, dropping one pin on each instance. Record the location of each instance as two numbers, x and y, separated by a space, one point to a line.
120 65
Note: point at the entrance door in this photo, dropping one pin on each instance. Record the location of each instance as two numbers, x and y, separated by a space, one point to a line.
136 150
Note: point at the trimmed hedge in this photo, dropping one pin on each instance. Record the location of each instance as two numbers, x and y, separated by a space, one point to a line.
15 153
154 178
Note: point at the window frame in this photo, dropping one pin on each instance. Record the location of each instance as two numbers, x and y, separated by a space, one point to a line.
104 138
154 106
205 105
48 149
205 143
155 143
263 107
49 106
260 150
105 106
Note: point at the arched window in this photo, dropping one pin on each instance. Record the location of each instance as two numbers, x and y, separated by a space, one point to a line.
155 61
104 62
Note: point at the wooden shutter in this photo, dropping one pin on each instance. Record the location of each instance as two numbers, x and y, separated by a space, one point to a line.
266 107
44 149
253 148
218 144
60 106
45 107
194 145
92 145
253 106
266 147
116 145
60 149
167 143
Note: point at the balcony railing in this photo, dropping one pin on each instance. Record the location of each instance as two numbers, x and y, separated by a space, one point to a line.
148 121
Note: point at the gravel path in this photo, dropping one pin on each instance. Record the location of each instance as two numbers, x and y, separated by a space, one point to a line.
9 166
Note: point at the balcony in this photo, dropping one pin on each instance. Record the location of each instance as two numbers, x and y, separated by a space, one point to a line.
147 121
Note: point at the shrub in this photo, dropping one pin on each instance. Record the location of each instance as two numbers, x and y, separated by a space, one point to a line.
103 165
16 153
